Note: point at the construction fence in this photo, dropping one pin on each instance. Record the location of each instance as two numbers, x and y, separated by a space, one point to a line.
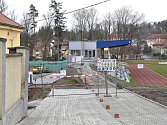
48 66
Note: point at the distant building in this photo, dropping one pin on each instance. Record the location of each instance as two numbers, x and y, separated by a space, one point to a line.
159 48
94 49
83 48
64 49
10 30
155 38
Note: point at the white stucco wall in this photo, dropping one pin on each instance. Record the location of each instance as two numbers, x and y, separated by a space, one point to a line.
79 45
90 45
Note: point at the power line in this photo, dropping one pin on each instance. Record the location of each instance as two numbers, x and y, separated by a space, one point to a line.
77 9
87 7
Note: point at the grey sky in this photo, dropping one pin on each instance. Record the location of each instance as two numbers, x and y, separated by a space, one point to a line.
154 10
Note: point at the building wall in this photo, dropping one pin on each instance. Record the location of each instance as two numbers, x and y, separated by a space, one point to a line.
164 51
13 84
2 78
13 81
79 45
12 35
82 48
64 51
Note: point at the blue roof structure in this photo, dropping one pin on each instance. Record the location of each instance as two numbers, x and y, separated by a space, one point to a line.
115 43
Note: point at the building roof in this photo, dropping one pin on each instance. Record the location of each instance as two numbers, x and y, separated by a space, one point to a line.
115 43
158 44
4 20
157 36
116 36
65 43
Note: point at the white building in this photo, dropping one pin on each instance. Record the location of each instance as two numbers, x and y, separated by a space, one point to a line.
83 48
79 50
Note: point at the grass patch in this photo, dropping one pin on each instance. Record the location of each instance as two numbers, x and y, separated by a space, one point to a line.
144 61
152 64
132 81
161 69
71 81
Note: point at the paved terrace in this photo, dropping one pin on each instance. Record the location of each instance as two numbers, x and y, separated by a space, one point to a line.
82 107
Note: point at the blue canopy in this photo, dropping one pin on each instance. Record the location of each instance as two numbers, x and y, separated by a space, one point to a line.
115 43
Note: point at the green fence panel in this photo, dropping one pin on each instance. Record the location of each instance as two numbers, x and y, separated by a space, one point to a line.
50 66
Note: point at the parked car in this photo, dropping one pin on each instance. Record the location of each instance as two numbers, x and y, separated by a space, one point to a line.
36 70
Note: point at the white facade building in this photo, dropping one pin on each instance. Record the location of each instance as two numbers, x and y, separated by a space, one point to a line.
83 48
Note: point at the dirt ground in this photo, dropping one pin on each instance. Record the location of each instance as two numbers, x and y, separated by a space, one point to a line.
155 94
40 92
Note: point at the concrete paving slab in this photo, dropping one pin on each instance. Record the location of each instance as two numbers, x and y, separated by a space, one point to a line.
135 110
69 107
70 110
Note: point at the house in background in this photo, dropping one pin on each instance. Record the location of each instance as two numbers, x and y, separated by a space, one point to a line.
156 38
64 49
37 53
158 43
159 48
10 30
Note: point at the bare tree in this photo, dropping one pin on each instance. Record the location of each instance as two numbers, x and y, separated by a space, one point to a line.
12 15
25 35
126 19
48 19
127 25
3 6
80 22
27 38
91 21
99 31
3 9
25 21
45 34
107 23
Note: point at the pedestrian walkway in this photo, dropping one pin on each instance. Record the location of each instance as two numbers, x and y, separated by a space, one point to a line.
135 110
70 110
69 107
82 107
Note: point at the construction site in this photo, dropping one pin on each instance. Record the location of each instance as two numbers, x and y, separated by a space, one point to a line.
81 97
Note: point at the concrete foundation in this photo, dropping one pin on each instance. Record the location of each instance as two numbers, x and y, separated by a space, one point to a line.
15 114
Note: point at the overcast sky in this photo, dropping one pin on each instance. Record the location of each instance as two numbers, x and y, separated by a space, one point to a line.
154 10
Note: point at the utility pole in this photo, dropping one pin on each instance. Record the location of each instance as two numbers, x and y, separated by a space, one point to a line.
98 84
41 68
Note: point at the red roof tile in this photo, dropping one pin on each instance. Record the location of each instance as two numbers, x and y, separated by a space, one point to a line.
158 44
157 36
4 20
